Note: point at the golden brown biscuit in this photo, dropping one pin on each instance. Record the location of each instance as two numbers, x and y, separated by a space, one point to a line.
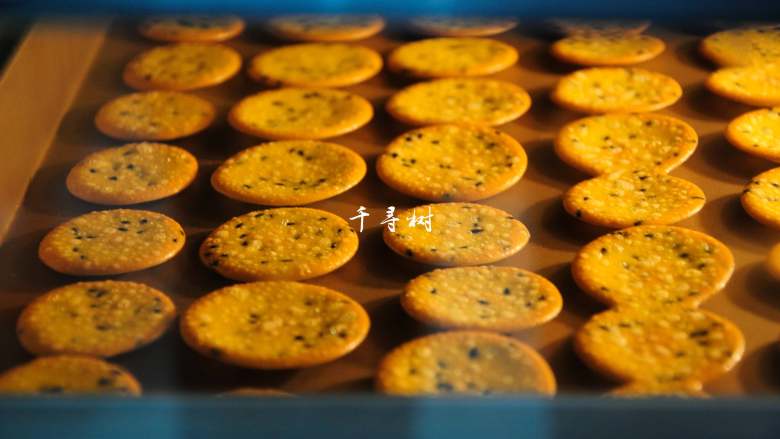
743 46
462 26
326 27
607 50
447 57
760 198
274 325
750 85
192 28
757 133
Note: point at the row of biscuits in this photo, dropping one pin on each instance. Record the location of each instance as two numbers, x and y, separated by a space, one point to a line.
404 250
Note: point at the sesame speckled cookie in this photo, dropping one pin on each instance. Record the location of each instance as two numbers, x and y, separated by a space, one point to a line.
459 100
460 234
300 113
653 265
616 89
452 163
326 27
279 244
643 344
614 142
464 362
274 325
578 26
649 389
312 171
445 57
315 65
630 198
492 298
757 133
607 50
181 67
154 115
750 85
761 198
68 374
743 46
461 26
102 319
111 242
132 173
191 28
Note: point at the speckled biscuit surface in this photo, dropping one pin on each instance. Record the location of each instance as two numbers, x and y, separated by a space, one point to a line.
643 344
274 325
773 261
312 171
326 27
111 242
316 65
614 142
459 100
761 198
68 374
743 46
630 198
464 362
607 50
184 66
444 57
132 173
757 133
455 26
300 113
102 319
460 234
616 89
452 163
750 85
576 26
154 115
488 297
279 244
192 28
648 389
653 265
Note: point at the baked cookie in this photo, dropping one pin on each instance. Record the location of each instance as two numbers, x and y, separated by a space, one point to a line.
154 115
575 26
750 85
315 65
744 46
181 67
326 27
274 325
101 319
192 28
761 198
502 299
630 198
300 113
671 345
456 234
68 374
615 142
111 242
773 261
459 100
616 89
647 389
757 133
445 57
607 50
452 163
312 171
653 265
279 244
451 26
132 173
464 362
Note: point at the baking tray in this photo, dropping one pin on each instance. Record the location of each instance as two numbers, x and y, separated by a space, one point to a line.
52 128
